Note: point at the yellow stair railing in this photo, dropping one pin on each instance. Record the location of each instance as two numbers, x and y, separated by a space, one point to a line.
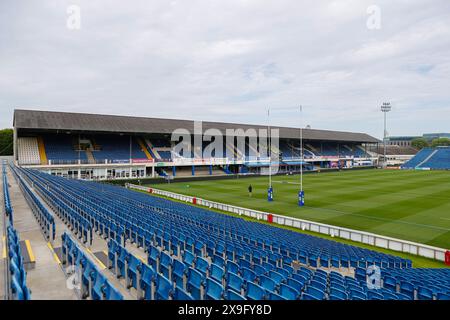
42 153
144 148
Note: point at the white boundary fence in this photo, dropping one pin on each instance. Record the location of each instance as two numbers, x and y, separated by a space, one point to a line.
334 231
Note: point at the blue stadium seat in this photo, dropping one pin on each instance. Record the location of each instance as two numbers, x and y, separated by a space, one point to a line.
424 293
267 283
153 258
373 295
213 290
234 282
195 283
179 273
164 288
254 292
389 295
338 294
289 292
275 296
443 296
357 295
134 269
188 259
296 284
407 288
232 295
180 294
232 267
318 284
110 293
307 296
122 260
97 289
276 276
165 265
88 277
202 265
315 292
390 283
217 273
147 281
248 275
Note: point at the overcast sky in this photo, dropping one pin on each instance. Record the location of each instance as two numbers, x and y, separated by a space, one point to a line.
230 60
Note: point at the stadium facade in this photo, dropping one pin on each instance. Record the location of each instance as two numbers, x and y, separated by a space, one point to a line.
92 146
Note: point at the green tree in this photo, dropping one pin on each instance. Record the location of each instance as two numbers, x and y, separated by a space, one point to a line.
6 142
419 143
440 142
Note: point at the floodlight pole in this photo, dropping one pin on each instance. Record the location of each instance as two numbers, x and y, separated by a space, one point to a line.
301 194
385 108
301 150
270 189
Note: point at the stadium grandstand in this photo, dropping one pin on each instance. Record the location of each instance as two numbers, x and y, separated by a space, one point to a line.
430 159
119 244
87 146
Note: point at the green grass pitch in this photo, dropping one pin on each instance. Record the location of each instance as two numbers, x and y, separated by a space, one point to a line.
410 205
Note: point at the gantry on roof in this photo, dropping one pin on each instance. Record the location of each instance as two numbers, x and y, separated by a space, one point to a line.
29 120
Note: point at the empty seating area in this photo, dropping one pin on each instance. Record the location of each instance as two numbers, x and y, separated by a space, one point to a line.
40 211
28 150
290 149
420 283
194 253
117 149
59 149
16 277
108 148
418 158
432 158
439 160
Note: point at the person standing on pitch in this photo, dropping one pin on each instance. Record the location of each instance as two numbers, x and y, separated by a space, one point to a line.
250 189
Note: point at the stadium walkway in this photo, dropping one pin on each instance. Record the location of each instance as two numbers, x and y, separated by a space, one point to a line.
98 252
46 280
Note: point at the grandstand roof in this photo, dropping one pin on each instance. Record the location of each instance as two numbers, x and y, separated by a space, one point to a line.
65 121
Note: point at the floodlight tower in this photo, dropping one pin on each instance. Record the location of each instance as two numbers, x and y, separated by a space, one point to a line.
385 108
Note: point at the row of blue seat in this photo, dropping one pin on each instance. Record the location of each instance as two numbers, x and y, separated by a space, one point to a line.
150 284
93 282
43 216
181 231
6 199
420 283
344 256
78 224
166 279
16 271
